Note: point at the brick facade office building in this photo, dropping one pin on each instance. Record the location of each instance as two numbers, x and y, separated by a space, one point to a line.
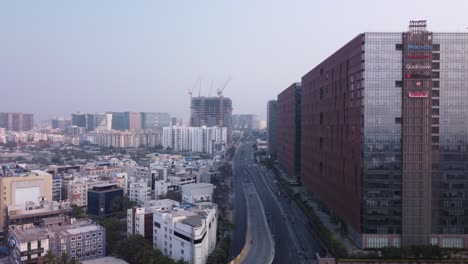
289 129
385 135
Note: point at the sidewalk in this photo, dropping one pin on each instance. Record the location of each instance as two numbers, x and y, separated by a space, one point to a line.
324 218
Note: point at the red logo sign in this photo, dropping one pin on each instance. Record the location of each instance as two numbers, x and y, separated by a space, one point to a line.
418 56
423 94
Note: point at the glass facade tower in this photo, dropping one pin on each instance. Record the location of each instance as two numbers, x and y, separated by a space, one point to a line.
384 137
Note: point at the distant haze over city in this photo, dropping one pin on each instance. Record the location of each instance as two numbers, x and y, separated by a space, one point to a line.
58 58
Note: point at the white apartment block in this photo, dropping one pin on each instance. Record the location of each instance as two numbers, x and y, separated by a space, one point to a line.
140 220
183 179
139 192
125 139
195 139
78 190
136 221
197 192
161 188
122 181
184 231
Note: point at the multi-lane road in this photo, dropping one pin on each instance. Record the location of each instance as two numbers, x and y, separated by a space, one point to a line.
260 246
293 242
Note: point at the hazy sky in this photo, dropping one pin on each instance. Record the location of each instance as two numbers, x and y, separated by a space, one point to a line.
58 57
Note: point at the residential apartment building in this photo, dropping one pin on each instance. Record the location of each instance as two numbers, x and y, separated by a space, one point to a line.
195 139
16 121
185 231
140 222
384 125
245 122
77 191
60 123
139 192
197 192
125 139
80 239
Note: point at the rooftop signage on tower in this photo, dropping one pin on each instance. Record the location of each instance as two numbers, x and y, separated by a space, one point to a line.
422 94
419 47
418 56
417 25
417 67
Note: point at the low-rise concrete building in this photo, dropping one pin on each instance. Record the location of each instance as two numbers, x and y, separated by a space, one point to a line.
82 239
197 192
186 232
139 192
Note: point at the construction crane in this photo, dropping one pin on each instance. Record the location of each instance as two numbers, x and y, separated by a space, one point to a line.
190 93
221 101
220 90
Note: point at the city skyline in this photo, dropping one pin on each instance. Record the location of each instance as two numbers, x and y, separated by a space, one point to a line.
123 57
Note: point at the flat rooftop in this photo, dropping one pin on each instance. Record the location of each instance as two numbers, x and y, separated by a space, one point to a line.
105 260
194 220
197 185
30 234
80 226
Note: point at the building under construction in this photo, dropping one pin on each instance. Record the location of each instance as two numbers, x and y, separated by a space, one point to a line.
211 111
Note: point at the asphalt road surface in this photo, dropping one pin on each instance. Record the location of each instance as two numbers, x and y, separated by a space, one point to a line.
260 245
240 213
293 241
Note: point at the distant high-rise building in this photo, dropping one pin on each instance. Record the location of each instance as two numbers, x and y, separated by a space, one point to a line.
384 136
162 120
245 122
196 139
148 120
79 120
289 129
174 121
134 120
211 111
127 120
119 122
17 121
61 123
99 122
272 126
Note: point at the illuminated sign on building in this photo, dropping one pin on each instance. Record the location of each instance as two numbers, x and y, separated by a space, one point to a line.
417 76
418 56
419 47
418 67
423 94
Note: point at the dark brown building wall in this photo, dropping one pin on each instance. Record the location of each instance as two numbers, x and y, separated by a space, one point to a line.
417 140
331 132
286 127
